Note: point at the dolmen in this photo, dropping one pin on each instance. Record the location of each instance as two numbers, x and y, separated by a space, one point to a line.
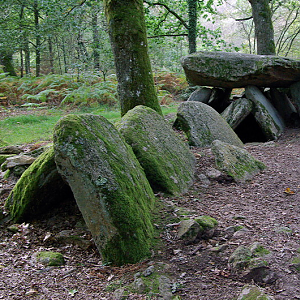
271 99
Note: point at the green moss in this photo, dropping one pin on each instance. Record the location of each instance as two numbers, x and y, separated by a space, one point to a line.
49 258
3 157
7 174
260 251
253 293
39 186
207 222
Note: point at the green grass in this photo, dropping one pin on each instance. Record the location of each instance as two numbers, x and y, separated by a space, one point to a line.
37 125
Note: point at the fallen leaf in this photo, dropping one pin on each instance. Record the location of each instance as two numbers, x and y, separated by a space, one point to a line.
73 292
289 191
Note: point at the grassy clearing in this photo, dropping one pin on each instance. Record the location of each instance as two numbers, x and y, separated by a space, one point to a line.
37 125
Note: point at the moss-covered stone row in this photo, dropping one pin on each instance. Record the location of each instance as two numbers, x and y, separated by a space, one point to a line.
167 161
109 185
37 190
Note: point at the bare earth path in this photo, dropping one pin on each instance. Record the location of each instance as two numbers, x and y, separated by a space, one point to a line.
269 215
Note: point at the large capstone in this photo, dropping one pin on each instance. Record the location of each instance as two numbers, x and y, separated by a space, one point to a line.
109 185
39 188
167 161
202 125
233 70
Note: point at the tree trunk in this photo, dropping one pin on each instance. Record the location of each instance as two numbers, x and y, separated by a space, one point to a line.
51 55
264 31
38 43
96 41
6 60
129 42
192 32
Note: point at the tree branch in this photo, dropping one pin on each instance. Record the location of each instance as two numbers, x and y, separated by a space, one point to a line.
75 6
163 35
169 10
244 19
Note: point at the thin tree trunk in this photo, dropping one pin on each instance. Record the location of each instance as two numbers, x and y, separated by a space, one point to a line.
37 39
64 55
264 31
22 62
51 55
96 41
128 37
192 31
27 56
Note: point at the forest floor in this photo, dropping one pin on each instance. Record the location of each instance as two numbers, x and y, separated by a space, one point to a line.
270 215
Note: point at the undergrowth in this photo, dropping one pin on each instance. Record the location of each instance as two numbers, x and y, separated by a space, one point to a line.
88 90
33 105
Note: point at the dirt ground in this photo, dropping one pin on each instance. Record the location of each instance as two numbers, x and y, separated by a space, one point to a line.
268 211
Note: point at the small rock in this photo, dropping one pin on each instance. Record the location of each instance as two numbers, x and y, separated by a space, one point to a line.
165 287
139 285
188 230
119 294
148 271
253 293
49 258
10 150
19 160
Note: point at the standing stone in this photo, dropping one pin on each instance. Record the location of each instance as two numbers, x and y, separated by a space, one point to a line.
284 106
295 91
167 161
236 162
202 125
265 114
237 111
202 94
109 186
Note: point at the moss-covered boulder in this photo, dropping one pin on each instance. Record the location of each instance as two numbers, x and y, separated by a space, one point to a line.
236 162
37 190
252 292
202 125
109 185
49 258
167 161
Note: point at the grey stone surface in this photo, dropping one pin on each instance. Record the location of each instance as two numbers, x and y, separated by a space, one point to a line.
188 230
265 114
167 161
233 70
236 162
19 160
295 91
252 292
202 94
237 111
109 185
283 105
202 125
